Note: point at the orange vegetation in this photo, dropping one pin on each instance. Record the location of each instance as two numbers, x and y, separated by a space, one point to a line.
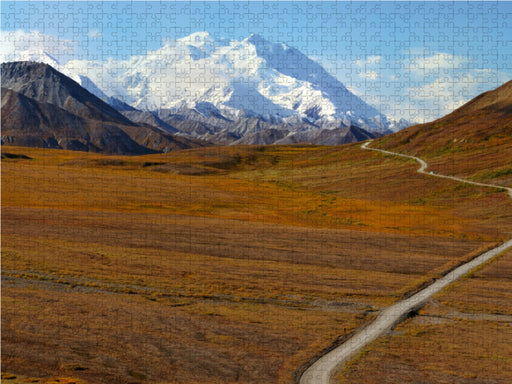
474 141
212 265
464 335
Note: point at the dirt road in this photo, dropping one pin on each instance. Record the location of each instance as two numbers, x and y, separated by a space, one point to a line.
325 368
424 166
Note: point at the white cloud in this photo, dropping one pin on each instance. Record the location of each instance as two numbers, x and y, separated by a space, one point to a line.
443 95
448 93
369 75
373 59
446 90
14 42
370 60
436 63
424 87
95 34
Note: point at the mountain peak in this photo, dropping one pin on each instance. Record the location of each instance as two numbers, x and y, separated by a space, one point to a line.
43 83
279 80
34 54
197 38
201 44
203 40
255 38
262 44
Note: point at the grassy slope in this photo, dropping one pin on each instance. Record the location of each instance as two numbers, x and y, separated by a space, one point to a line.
185 267
474 141
463 336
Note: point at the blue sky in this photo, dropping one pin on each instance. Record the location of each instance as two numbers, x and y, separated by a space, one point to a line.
418 60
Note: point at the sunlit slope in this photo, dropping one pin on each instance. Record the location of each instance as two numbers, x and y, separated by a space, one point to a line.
463 335
474 141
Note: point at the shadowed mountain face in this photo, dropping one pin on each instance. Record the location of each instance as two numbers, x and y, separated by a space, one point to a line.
256 131
145 117
335 136
43 83
30 123
43 108
343 136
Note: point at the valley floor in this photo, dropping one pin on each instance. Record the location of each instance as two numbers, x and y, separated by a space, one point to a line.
221 264
463 336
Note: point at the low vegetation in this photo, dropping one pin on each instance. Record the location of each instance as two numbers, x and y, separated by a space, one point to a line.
234 264
464 335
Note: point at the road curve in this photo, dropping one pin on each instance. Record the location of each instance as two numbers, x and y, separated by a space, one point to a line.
325 368
424 166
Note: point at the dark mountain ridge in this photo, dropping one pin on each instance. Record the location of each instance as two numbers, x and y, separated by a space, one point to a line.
49 109
28 122
41 107
45 84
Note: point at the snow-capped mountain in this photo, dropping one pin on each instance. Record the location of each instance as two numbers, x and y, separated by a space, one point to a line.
41 107
250 78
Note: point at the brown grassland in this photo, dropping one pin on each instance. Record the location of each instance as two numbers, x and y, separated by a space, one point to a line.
463 336
218 265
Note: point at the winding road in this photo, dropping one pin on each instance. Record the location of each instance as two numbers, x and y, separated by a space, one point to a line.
424 166
325 368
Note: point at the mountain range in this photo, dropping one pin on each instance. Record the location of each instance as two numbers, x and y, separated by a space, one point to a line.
41 107
226 91
200 91
253 77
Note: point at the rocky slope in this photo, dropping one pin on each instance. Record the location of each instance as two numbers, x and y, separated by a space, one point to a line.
42 107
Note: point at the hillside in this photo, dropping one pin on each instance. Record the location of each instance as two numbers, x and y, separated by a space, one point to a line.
43 83
41 107
473 141
27 122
